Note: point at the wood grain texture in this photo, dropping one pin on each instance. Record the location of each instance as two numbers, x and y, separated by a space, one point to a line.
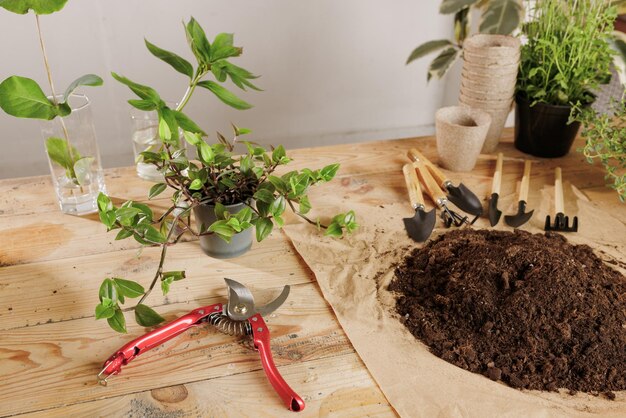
59 362
338 386
52 264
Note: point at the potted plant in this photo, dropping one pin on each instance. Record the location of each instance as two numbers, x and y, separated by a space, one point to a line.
68 130
565 58
500 17
605 141
229 195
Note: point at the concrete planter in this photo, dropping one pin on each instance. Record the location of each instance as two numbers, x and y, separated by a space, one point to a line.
461 132
214 246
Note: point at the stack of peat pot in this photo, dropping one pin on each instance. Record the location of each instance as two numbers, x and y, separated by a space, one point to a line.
490 64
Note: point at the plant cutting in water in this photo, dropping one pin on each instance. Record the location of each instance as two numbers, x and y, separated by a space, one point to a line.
22 97
218 178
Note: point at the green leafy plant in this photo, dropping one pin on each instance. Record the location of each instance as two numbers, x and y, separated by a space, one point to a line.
22 97
217 178
605 141
497 17
567 54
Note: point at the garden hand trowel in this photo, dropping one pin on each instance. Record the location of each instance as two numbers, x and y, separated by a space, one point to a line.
494 212
420 226
521 217
460 195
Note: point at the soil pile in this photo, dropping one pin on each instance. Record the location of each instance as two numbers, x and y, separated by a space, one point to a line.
530 310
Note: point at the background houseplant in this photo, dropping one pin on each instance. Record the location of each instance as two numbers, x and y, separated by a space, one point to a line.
605 141
215 183
70 139
567 56
497 17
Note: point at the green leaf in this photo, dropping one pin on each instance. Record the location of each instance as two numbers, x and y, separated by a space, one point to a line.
117 321
196 184
23 98
151 234
222 47
244 215
278 154
145 209
277 207
174 275
222 229
304 205
264 227
220 211
186 123
146 105
156 190
192 138
146 316
501 17
334 230
86 80
440 65
108 290
125 215
198 42
164 130
328 173
239 76
178 63
206 153
108 219
59 152
144 92
40 7
82 169
453 6
264 195
278 183
169 131
225 95
427 48
123 234
165 285
104 312
129 288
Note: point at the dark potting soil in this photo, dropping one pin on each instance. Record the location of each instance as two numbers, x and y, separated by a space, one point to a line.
530 310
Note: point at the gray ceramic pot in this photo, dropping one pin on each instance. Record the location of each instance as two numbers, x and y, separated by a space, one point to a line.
214 246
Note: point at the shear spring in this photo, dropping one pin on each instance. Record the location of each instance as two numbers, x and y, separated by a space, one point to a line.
229 326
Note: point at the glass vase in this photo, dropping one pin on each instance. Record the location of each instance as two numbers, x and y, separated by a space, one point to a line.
74 158
145 137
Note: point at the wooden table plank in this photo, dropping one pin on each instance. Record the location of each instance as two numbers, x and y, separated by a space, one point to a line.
53 264
336 386
58 362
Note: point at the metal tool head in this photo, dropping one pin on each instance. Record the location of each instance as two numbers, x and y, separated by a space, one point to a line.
521 217
464 199
241 305
421 225
561 223
494 212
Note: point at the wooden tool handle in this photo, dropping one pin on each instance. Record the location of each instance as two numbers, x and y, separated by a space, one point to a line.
558 191
432 188
523 189
413 185
497 176
415 155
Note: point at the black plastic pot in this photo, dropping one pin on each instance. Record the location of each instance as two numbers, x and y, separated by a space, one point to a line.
542 130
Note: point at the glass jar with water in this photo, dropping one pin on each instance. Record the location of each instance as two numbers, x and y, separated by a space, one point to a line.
74 158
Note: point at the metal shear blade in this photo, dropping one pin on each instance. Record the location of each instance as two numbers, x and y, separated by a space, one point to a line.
241 305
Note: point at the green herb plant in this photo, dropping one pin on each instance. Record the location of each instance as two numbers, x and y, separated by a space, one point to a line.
568 53
22 97
497 17
605 141
218 177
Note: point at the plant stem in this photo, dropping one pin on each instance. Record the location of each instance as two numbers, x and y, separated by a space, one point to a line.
161 261
54 95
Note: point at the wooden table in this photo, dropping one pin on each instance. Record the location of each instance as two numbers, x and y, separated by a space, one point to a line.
51 265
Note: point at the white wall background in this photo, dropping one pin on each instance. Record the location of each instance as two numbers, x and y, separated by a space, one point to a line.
333 71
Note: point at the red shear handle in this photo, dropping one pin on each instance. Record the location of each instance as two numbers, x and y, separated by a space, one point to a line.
261 336
129 351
